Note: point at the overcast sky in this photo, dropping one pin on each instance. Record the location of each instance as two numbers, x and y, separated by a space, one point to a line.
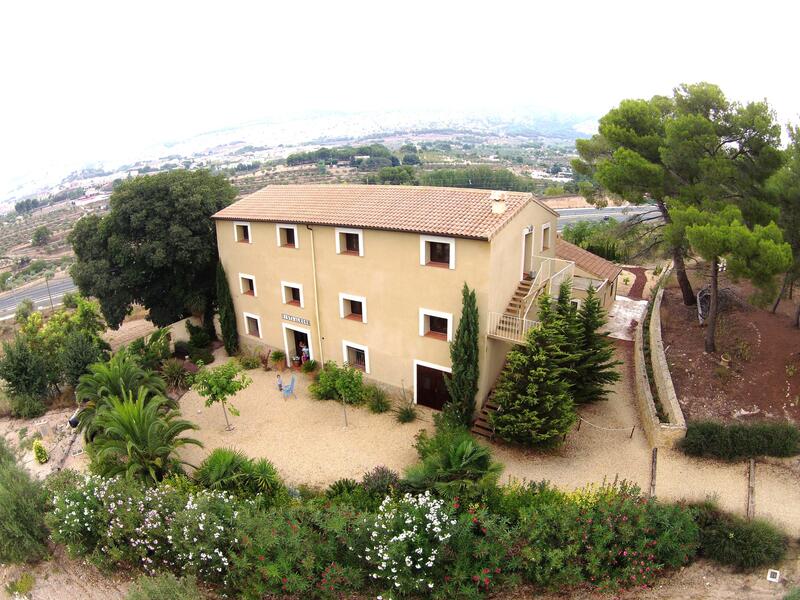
82 80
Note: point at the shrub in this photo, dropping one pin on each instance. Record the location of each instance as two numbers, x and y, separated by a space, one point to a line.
203 355
198 337
152 350
40 452
731 540
380 481
81 349
324 388
249 361
23 536
230 470
730 442
341 487
406 414
174 373
309 366
278 358
182 349
163 587
27 407
793 594
377 399
22 586
70 299
24 368
454 464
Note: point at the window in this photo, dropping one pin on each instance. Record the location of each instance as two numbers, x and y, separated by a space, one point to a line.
292 293
355 355
576 303
247 284
241 232
252 325
349 241
435 324
287 235
437 251
545 237
353 307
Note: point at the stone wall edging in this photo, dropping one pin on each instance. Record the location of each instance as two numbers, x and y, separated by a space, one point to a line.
658 434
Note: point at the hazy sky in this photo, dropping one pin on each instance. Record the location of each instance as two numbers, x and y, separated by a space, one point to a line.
85 80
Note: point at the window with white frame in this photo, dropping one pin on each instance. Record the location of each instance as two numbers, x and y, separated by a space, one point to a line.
576 303
241 232
355 355
435 324
292 293
353 307
286 235
437 251
252 325
247 284
545 237
350 241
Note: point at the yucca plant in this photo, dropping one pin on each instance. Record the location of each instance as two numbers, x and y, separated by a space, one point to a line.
138 437
114 378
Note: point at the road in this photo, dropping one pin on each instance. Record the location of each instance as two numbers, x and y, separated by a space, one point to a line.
567 216
36 292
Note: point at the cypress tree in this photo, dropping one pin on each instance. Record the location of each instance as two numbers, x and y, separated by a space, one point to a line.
559 330
227 314
597 367
462 385
536 408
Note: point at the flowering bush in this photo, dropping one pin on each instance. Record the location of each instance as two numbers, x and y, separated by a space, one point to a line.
405 542
117 521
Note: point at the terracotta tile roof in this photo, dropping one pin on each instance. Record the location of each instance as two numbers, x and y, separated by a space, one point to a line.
458 212
587 261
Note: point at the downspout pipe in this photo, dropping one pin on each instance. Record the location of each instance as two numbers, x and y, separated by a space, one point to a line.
316 297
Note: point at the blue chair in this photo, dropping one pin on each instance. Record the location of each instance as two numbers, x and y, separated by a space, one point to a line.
288 390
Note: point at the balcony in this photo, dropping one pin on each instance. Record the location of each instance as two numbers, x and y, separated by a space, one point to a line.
509 328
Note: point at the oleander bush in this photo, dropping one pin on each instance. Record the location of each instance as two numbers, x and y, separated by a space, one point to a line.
731 540
739 440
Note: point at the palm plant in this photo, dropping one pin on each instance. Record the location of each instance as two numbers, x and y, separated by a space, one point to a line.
114 378
139 437
230 470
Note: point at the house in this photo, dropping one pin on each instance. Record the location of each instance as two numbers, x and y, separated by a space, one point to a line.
372 275
590 271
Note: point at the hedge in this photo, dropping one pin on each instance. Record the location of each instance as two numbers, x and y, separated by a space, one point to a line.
730 442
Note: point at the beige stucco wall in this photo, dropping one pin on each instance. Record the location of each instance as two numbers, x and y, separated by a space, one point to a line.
395 285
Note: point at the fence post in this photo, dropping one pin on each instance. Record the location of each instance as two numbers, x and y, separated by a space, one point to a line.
630 437
751 490
653 472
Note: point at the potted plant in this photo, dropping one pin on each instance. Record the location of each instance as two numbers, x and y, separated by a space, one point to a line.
296 362
278 357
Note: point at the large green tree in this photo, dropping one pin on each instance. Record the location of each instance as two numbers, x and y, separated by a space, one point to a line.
784 188
693 147
597 367
156 247
462 385
717 233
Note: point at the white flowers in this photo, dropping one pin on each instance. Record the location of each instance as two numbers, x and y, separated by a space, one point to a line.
405 537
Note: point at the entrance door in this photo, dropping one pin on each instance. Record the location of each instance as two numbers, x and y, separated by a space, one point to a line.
299 338
431 390
527 255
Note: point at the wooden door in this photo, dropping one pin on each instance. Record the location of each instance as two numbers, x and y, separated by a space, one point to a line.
431 390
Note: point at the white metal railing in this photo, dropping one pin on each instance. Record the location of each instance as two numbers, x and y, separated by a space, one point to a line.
509 327
549 271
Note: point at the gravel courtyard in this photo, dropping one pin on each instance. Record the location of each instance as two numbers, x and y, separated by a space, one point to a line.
305 439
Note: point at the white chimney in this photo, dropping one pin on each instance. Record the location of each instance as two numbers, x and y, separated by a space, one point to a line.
498 202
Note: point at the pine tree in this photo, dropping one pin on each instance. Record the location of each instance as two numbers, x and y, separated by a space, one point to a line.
536 408
227 314
559 330
462 385
597 367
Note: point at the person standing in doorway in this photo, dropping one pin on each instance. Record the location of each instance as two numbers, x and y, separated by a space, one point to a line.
305 354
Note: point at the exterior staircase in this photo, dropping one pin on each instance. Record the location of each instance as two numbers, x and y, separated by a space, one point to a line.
482 425
515 305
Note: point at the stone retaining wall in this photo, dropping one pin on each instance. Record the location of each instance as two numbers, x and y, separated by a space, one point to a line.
658 434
